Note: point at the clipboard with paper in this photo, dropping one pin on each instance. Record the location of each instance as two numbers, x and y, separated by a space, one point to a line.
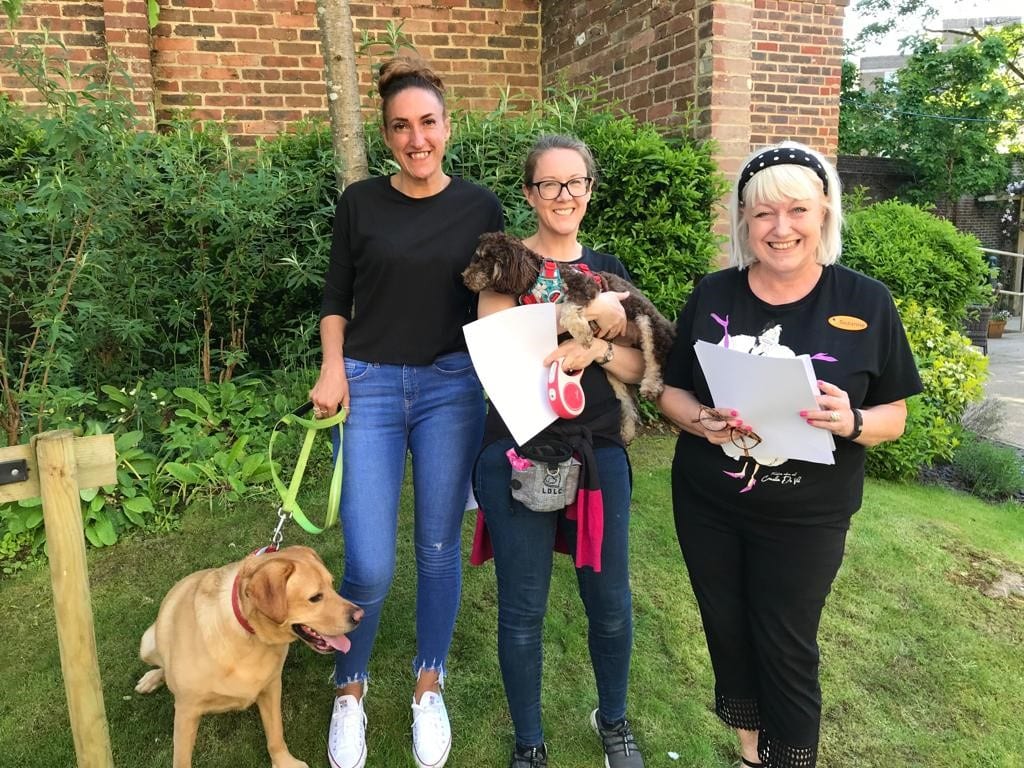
769 393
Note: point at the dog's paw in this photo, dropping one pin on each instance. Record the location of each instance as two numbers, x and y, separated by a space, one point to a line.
150 681
288 762
651 387
577 325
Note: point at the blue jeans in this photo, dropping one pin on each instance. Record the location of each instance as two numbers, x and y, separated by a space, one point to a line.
436 412
523 543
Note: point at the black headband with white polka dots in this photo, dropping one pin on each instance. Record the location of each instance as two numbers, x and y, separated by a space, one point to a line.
781 156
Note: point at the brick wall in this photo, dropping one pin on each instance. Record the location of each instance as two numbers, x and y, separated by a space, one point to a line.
643 54
884 178
754 71
257 63
749 72
758 71
797 65
881 177
981 219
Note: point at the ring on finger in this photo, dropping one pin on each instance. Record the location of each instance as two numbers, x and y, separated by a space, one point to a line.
833 416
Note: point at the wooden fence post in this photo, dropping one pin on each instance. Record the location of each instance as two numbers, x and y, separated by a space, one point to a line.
59 466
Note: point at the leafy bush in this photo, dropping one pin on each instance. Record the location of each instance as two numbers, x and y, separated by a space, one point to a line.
918 256
953 374
173 448
989 470
179 253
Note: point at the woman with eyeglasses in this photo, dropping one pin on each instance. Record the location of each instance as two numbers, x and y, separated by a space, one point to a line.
559 179
763 536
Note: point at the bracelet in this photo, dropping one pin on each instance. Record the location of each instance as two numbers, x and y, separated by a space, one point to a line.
858 424
608 354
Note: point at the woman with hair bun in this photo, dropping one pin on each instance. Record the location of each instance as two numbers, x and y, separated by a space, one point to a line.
762 536
395 358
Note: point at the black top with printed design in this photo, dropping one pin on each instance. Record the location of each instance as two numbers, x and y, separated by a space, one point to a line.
864 351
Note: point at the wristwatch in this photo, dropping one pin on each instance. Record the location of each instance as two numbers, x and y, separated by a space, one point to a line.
858 425
608 354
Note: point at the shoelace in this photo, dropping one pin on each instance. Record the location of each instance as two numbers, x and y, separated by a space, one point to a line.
432 714
619 739
535 756
433 707
351 720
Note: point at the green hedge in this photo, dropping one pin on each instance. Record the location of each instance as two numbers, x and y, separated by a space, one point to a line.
180 254
953 374
918 256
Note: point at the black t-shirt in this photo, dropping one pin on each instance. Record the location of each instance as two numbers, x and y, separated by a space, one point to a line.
600 398
849 326
396 268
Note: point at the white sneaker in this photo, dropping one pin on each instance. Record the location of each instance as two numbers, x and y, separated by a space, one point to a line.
346 741
431 732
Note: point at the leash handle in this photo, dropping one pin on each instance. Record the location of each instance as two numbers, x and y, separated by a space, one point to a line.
290 492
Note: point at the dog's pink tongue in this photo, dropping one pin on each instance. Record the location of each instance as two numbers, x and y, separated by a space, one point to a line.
338 642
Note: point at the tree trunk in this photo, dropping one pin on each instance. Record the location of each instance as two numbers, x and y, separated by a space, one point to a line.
335 20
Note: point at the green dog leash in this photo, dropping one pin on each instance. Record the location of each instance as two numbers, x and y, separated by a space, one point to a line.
288 494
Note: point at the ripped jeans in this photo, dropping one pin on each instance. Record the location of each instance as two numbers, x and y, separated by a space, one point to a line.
436 412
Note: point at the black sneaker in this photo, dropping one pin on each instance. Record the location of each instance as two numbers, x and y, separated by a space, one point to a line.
620 749
529 757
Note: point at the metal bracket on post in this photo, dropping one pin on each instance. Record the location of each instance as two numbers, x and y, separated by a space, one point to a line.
13 471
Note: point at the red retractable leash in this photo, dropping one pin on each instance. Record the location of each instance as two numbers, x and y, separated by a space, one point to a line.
565 393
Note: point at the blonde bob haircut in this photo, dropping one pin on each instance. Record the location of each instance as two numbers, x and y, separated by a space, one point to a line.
781 182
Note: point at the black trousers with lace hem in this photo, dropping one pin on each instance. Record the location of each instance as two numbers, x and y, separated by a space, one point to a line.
761 587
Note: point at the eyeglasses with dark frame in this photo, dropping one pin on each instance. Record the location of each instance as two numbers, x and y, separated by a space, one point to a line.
550 189
715 421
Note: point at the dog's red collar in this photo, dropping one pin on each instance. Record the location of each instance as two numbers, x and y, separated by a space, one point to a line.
236 606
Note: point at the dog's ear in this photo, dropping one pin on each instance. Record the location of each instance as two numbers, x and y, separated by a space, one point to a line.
268 588
476 276
521 269
516 267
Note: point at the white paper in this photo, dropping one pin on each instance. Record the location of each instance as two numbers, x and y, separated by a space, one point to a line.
769 393
508 350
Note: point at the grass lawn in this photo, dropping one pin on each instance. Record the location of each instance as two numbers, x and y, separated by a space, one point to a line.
919 667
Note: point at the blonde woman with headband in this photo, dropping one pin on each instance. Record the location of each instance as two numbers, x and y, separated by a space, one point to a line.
763 537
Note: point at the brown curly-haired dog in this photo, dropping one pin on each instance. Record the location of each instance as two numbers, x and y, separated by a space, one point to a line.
503 264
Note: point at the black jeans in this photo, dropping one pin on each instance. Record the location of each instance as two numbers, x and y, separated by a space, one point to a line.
523 550
761 587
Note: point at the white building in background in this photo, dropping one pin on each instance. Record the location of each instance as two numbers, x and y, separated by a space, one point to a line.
873 68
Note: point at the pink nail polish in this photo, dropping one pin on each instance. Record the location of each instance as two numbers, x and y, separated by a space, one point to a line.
810 422
734 413
803 414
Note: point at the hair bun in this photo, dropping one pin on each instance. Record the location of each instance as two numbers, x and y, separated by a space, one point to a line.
398 73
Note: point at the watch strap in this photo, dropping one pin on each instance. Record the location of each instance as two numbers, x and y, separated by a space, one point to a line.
858 424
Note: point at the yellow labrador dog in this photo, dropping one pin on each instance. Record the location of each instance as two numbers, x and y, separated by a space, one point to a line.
221 637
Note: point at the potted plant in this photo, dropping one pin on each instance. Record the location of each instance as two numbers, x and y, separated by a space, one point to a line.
997 322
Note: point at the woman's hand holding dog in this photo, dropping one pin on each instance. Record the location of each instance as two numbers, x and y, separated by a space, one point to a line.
606 310
575 356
